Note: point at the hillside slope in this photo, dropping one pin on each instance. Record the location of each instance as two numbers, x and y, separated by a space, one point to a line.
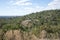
44 24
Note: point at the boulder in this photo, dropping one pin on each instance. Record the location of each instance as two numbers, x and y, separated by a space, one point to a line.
43 34
26 23
13 35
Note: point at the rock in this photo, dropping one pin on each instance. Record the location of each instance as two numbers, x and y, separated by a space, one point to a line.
27 23
43 34
33 37
18 35
29 36
9 35
13 35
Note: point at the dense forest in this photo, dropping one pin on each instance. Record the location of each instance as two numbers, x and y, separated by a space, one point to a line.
48 20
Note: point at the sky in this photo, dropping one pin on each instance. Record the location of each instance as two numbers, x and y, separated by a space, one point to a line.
24 7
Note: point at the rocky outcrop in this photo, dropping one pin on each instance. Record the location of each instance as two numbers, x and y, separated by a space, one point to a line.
13 35
22 35
18 35
43 34
9 35
26 23
29 36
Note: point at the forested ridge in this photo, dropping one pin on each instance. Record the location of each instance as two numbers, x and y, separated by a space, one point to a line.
48 20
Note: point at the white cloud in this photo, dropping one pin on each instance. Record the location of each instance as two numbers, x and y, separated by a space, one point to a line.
24 10
33 9
55 4
22 2
18 10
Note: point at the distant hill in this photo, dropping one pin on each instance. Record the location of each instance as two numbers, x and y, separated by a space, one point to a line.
8 16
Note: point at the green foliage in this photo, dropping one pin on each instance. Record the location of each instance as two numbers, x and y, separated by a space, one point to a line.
48 20
10 27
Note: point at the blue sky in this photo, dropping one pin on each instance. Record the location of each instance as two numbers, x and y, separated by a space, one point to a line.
24 7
